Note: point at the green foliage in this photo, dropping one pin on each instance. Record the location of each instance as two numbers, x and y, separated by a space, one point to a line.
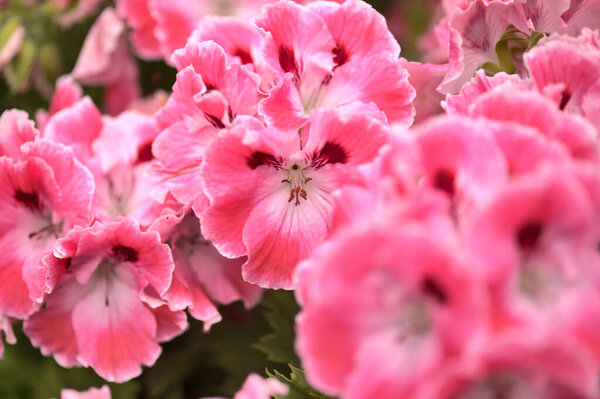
280 309
299 388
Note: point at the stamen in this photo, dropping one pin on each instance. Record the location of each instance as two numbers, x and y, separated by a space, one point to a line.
297 181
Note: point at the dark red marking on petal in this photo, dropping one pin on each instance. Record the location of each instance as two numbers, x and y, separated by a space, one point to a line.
145 152
213 120
529 234
564 99
444 180
326 80
330 153
30 200
230 114
287 60
244 55
340 55
124 253
210 86
258 158
433 289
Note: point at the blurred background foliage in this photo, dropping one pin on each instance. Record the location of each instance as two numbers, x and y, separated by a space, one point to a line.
195 364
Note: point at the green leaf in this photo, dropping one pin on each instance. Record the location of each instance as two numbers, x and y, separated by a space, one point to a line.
299 388
279 309
8 28
20 68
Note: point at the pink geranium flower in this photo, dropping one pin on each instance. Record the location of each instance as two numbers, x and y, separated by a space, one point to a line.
270 190
6 331
474 32
322 64
566 69
43 195
526 242
203 276
92 393
256 387
209 94
105 60
107 311
418 310
16 129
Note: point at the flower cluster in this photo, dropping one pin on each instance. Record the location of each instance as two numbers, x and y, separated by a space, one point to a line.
456 258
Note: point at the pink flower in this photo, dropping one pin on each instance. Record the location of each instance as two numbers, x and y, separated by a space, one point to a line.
16 129
7 331
107 311
83 9
76 126
43 195
321 64
270 191
480 84
160 27
522 364
425 78
92 393
209 94
474 32
581 14
66 94
386 307
566 69
509 103
461 160
138 15
526 242
256 387
105 60
203 276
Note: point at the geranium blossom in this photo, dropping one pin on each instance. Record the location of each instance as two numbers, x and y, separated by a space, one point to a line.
269 190
43 195
107 311
92 393
320 64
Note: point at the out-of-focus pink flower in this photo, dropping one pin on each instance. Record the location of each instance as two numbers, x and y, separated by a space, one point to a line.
509 103
566 69
256 387
474 33
107 311
92 393
521 364
43 195
425 78
270 191
481 83
66 94
16 129
582 14
161 27
105 60
76 126
322 64
83 9
418 311
6 331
